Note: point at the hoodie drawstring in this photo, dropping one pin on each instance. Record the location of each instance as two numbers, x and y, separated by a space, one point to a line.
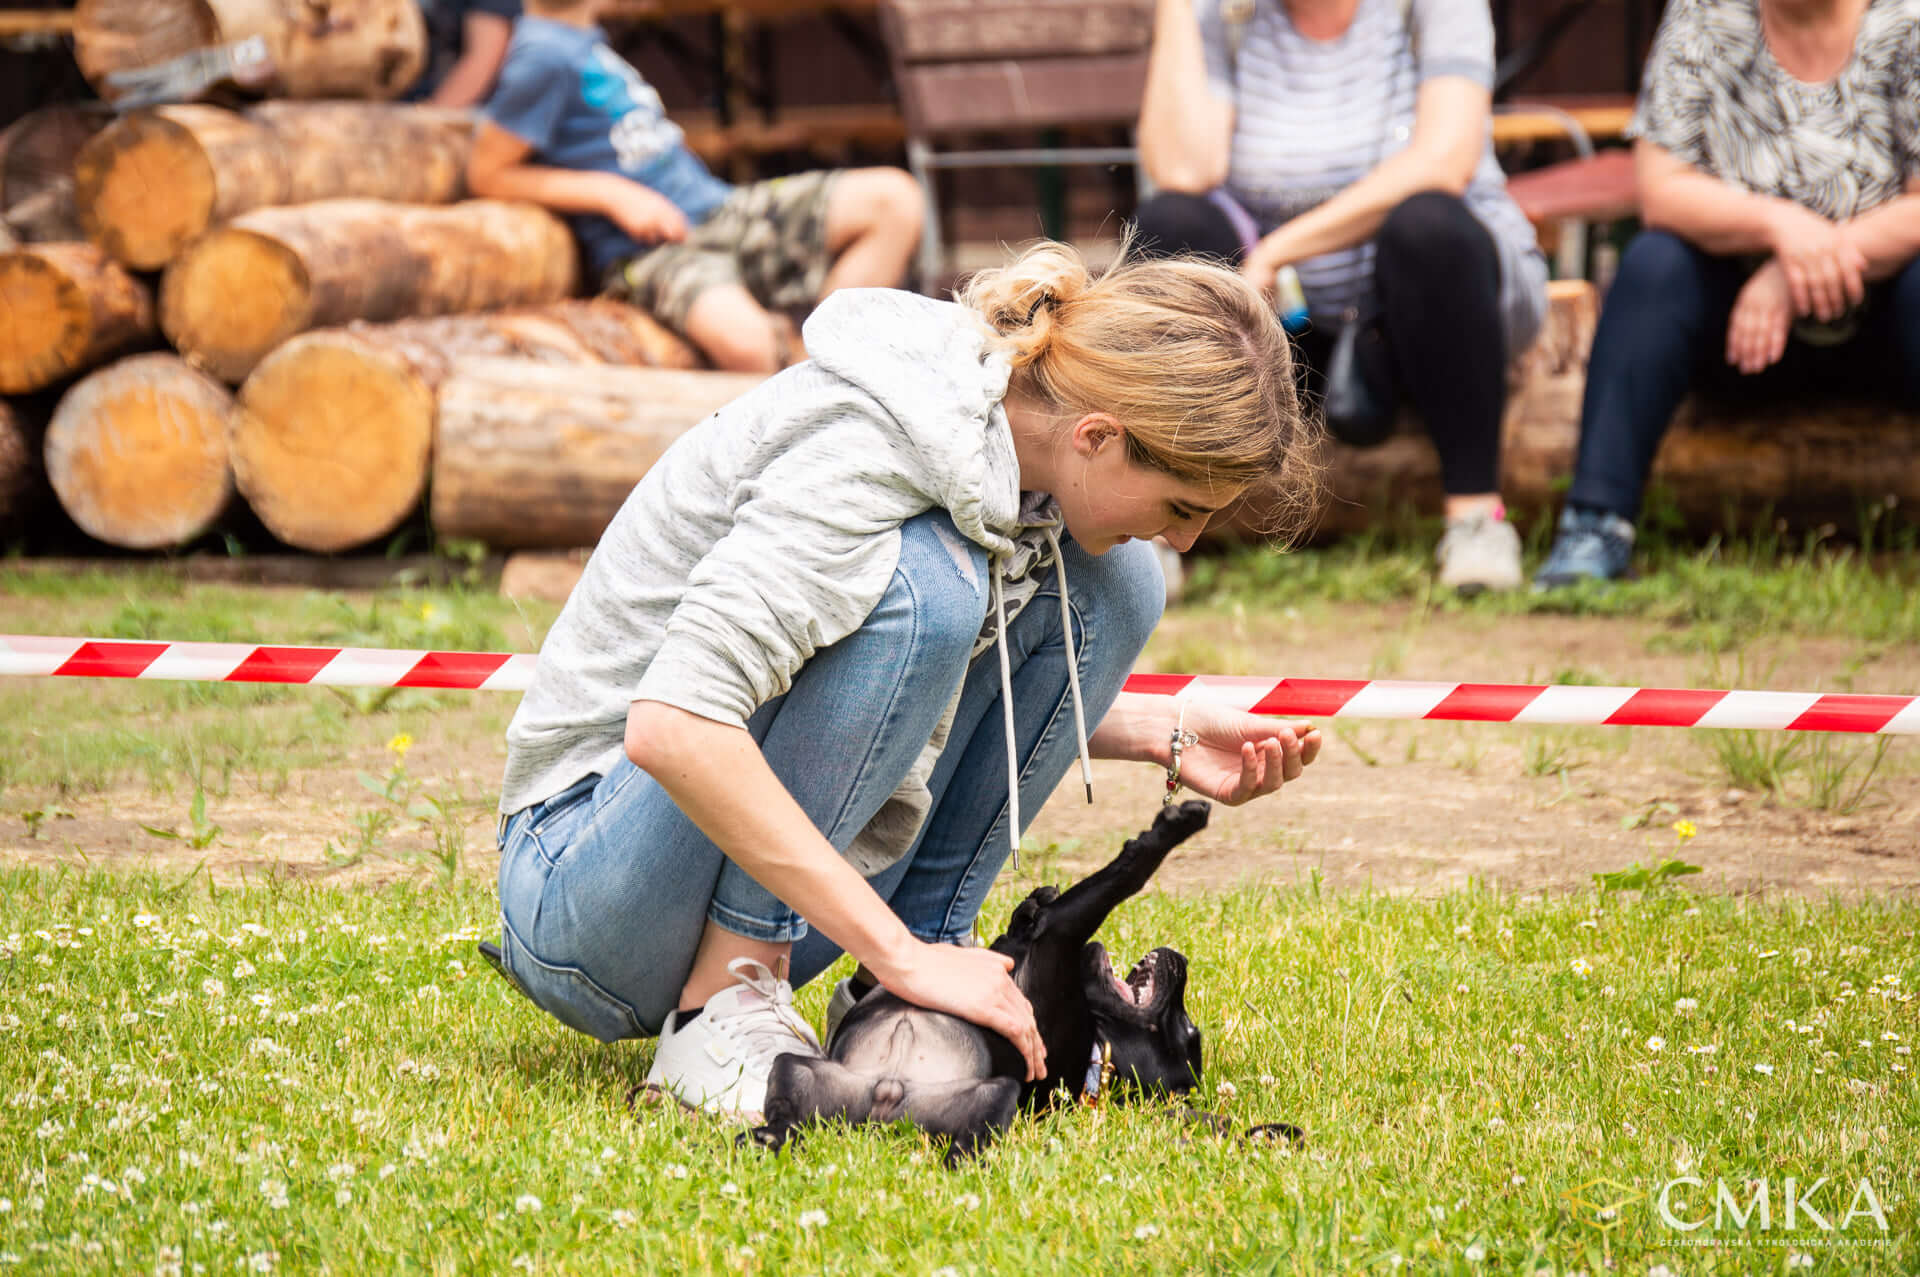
1006 692
1073 666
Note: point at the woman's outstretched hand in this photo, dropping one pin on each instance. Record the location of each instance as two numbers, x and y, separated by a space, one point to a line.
974 984
1238 756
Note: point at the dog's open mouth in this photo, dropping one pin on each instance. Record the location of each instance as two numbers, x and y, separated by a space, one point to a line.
1138 986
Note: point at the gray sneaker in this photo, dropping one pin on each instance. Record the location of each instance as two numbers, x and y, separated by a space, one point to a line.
1590 545
1479 552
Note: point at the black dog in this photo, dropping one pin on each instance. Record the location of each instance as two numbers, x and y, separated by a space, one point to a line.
891 1059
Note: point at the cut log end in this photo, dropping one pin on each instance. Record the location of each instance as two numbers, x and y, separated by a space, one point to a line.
328 412
43 323
63 309
233 296
145 189
137 452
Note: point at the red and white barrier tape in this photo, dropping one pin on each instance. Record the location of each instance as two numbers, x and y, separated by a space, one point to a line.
1288 697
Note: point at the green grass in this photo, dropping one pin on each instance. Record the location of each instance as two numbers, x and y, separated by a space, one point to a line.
1712 596
60 735
316 1078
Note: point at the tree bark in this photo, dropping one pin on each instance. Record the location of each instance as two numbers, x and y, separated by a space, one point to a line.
532 456
158 179
36 171
137 452
368 49
245 287
63 309
1805 463
331 445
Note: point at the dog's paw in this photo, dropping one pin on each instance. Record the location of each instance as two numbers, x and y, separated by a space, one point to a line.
1027 916
1183 820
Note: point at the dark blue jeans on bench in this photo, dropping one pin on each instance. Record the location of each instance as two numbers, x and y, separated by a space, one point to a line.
1663 332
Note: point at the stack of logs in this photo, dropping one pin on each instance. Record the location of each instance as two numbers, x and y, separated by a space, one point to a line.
346 337
327 294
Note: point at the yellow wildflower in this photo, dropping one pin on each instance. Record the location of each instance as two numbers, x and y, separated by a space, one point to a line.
400 744
1685 828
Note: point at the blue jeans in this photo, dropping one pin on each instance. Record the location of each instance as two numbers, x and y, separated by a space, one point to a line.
1663 332
606 887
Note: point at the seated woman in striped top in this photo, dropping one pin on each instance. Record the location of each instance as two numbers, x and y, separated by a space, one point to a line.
1350 139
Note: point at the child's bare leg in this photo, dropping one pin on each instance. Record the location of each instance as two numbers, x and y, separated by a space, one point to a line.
734 331
874 218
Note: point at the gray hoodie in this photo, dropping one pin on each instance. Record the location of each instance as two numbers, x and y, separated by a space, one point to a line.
771 530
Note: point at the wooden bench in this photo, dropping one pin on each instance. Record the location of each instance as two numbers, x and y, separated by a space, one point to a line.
816 130
967 67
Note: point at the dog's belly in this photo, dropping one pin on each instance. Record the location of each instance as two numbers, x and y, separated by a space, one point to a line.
922 1047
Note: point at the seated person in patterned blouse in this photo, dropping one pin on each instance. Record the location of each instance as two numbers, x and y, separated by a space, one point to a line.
1351 140
1778 152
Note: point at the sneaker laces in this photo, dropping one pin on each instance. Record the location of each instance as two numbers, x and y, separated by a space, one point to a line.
769 1026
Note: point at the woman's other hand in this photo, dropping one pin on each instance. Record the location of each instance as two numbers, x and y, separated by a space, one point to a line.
974 984
1237 757
1762 316
1825 271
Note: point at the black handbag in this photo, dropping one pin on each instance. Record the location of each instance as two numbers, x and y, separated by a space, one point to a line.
1361 400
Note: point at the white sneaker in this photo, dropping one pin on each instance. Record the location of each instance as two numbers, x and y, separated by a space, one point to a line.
1479 552
720 1062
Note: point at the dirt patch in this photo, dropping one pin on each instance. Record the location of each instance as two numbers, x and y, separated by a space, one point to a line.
1402 807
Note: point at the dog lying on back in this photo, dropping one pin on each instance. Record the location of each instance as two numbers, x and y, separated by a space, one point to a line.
891 1059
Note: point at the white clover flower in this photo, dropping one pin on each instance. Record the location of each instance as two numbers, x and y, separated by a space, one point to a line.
1461 988
1656 1043
1684 1005
387 1170
526 1204
1518 1048
1226 1090
342 1196
947 1271
673 1170
242 969
971 1201
275 1191
341 1170
1661 1270
729 1189
1496 1123
1146 1231
1799 1259
262 1261
6 1206
1475 1253
813 1219
1464 929
624 1218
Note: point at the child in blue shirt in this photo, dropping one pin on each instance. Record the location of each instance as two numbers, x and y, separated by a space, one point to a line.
572 126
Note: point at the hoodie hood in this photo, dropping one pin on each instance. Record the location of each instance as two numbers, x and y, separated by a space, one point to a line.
932 366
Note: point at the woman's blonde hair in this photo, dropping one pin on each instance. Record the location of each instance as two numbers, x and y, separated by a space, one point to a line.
1186 355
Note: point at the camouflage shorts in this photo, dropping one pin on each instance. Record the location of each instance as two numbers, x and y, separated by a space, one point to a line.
770 237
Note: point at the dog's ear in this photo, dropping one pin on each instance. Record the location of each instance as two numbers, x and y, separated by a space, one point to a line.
1027 916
